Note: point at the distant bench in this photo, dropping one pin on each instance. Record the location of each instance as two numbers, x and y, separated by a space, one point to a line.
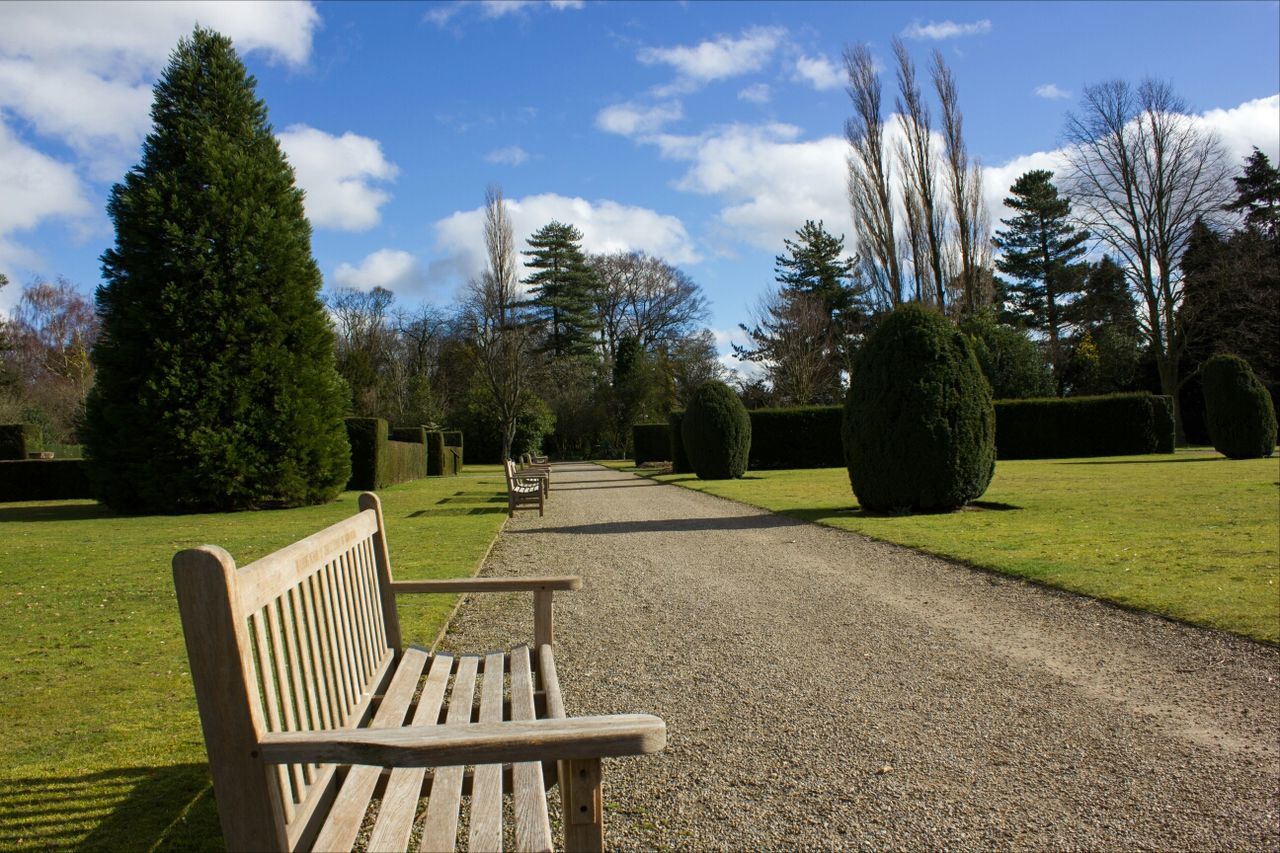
311 706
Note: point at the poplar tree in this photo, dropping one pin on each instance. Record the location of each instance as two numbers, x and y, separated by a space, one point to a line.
216 386
563 286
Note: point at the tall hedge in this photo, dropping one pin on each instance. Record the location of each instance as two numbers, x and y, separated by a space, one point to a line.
1073 427
16 440
651 442
717 432
679 457
919 427
43 480
796 437
216 387
453 451
377 461
1242 420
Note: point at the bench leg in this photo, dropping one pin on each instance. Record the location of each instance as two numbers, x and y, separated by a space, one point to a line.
582 791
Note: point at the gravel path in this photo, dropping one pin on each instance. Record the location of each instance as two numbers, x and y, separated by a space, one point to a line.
822 690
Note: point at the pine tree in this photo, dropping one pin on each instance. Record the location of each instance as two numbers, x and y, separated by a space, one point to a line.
1258 195
563 289
216 386
1040 251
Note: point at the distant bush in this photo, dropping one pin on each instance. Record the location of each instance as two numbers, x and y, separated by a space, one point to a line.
797 437
679 458
1011 362
378 462
652 442
1071 427
1242 420
919 430
717 432
44 480
15 441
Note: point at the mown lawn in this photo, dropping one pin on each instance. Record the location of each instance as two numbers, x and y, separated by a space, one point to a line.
100 743
1193 536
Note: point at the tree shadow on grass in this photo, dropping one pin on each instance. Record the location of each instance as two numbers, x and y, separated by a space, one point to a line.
78 511
135 808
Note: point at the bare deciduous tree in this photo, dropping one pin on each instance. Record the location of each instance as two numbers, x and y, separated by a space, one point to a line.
1141 170
644 297
925 213
791 332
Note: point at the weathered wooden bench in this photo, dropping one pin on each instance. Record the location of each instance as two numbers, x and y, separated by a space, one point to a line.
525 489
311 707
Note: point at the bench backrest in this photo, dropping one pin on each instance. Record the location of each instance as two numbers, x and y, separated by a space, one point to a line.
299 640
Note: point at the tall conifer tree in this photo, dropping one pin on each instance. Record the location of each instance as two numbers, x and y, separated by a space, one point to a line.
563 286
216 386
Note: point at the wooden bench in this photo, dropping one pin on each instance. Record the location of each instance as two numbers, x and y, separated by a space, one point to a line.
525 489
311 707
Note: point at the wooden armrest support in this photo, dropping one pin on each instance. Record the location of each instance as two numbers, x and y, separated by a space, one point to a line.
568 582
473 743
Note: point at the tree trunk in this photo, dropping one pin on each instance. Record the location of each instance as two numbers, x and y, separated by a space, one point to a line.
1168 369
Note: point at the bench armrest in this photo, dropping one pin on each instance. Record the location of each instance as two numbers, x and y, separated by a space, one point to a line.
472 743
490 585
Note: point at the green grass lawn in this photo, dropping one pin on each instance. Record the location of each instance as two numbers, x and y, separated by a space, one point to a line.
100 743
1194 536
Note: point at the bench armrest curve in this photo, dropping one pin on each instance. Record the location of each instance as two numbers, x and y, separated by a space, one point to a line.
565 582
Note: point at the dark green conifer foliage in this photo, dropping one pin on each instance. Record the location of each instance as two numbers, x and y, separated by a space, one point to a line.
919 425
717 433
563 288
216 386
1242 420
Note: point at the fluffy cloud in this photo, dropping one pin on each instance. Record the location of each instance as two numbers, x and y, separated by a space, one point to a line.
630 119
1050 91
338 173
396 270
717 59
443 15
1253 123
606 226
512 155
820 72
758 93
938 30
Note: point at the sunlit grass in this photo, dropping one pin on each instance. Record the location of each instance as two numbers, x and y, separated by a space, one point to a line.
100 743
1193 536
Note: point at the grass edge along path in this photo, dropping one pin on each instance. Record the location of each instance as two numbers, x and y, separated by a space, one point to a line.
100 743
1193 537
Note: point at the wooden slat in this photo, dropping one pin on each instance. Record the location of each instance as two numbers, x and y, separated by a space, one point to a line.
353 617
441 827
316 633
489 584
284 686
372 603
302 649
543 620
345 652
404 785
333 644
391 620
533 829
265 685
347 812
550 683
267 578
362 563
486 784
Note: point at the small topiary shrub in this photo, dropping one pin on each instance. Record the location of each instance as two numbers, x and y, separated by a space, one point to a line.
717 433
919 427
1242 421
652 442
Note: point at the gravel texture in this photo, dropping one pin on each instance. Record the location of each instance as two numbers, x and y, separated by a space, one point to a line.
823 690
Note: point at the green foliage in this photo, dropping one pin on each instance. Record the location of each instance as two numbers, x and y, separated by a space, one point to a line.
1242 419
216 386
679 455
483 429
919 429
651 442
716 432
15 439
435 453
377 461
563 288
43 480
799 437
1071 427
1258 195
1008 358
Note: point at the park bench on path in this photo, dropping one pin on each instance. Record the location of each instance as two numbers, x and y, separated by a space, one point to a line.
311 707
525 489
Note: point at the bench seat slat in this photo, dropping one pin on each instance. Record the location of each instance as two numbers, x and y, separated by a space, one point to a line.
347 813
486 784
533 828
441 827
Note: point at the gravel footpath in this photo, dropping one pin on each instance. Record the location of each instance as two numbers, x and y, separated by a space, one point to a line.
823 690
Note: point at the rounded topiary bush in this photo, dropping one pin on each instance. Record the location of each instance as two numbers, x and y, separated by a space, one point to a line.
716 432
919 426
1242 421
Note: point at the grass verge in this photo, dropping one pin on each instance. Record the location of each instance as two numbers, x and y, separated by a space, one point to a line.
100 743
1193 536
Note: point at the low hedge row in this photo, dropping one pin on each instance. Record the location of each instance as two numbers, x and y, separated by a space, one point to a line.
652 442
1111 425
43 480
796 437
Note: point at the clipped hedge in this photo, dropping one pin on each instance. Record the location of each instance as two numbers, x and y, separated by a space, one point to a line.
453 451
378 462
796 437
16 440
717 433
435 453
44 480
652 442
411 435
1069 427
679 458
1242 421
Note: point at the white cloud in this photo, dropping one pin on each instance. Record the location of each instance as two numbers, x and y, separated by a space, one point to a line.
820 72
337 173
937 30
1252 123
563 5
758 93
502 8
630 119
606 226
512 155
717 59
444 14
1050 91
396 270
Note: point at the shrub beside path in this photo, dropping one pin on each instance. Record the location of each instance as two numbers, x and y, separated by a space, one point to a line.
825 690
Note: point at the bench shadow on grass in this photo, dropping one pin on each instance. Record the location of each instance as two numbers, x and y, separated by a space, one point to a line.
137 808
1165 461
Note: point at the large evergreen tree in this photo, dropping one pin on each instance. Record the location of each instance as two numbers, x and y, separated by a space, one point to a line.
1258 195
563 287
1040 251
216 386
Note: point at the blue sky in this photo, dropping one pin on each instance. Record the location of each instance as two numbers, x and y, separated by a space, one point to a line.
703 132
